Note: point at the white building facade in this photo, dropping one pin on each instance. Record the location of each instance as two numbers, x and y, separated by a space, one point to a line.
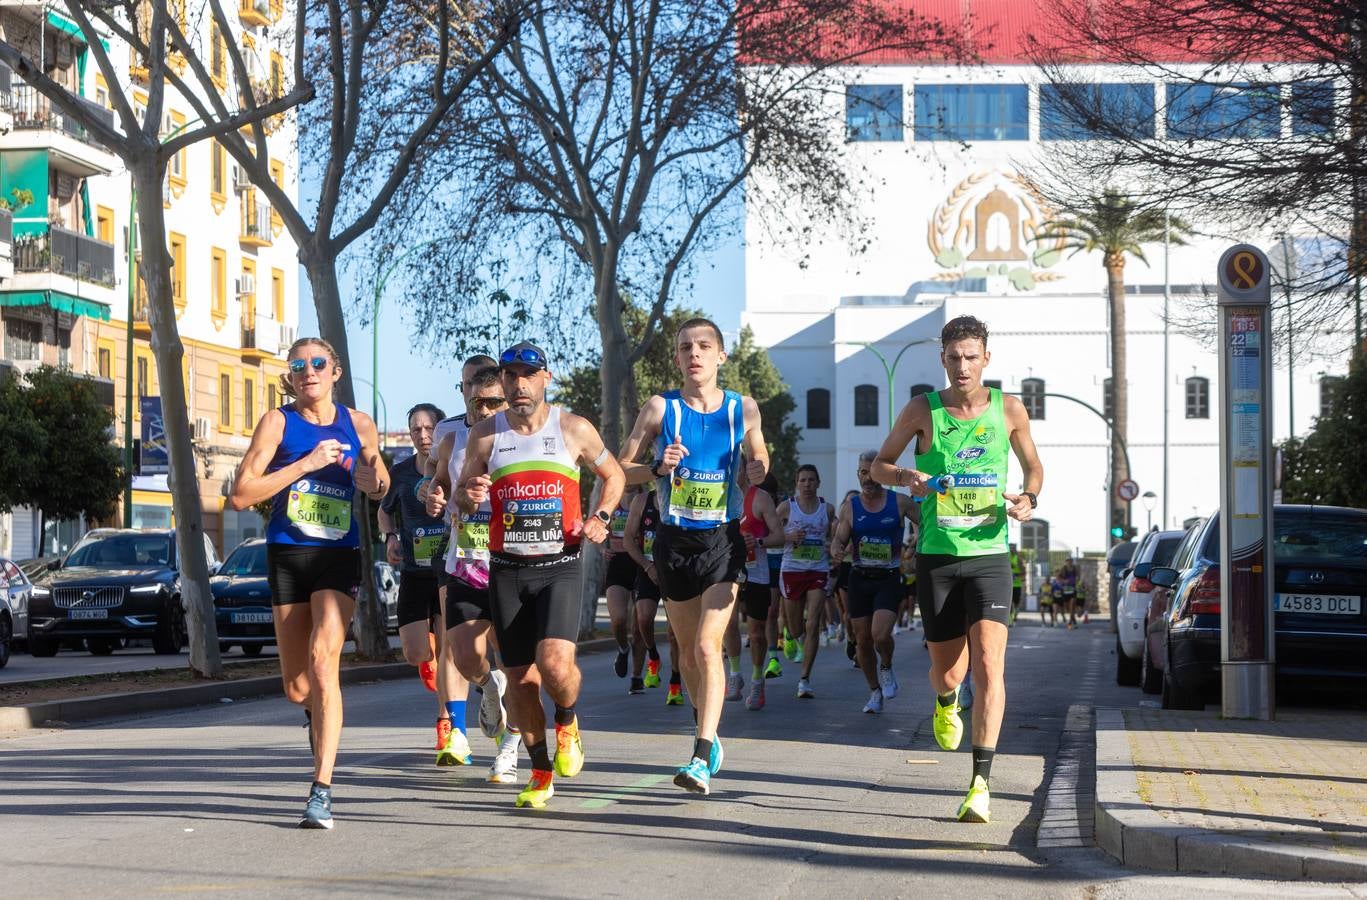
953 231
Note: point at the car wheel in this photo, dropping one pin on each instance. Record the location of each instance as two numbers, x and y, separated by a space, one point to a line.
100 646
43 647
1150 677
1126 669
6 639
252 649
170 633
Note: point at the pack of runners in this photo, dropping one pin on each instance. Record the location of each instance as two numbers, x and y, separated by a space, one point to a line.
486 522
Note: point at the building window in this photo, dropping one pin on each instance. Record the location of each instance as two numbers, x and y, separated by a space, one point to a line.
866 405
218 169
23 339
143 376
225 401
246 293
1085 112
1198 398
1329 388
1107 400
972 112
1035 539
218 55
1312 107
218 283
178 266
248 402
1032 396
278 294
105 362
104 224
818 408
272 401
919 389
873 112
1209 111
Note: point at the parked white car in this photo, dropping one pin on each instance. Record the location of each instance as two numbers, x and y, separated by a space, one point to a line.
1155 549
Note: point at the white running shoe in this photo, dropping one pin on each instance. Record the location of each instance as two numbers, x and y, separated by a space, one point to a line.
804 689
888 682
735 686
875 704
493 718
504 769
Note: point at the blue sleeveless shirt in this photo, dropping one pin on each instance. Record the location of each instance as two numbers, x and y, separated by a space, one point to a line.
702 491
877 537
315 511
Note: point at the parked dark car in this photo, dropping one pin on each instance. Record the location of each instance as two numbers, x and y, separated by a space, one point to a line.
1154 654
242 600
1117 560
1132 606
1319 578
116 583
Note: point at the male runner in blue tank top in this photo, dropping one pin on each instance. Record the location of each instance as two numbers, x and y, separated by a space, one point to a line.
698 434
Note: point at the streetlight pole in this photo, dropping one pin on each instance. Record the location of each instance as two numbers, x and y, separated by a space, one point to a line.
1150 501
890 370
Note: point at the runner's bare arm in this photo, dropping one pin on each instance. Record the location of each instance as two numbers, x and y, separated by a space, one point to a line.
372 478
764 505
913 423
907 507
393 551
1018 424
588 448
756 452
641 441
631 535
473 488
439 490
843 525
252 486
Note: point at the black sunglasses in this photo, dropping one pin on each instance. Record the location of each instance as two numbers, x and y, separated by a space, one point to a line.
487 402
298 366
525 355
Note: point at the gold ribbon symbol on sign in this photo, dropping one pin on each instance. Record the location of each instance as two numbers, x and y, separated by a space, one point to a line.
1244 270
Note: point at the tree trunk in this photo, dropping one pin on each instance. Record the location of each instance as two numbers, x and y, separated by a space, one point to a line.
1120 394
372 639
184 482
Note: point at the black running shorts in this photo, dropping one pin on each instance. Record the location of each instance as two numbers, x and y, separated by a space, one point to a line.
756 598
645 588
842 577
873 589
689 561
956 591
296 573
531 604
622 572
465 603
418 597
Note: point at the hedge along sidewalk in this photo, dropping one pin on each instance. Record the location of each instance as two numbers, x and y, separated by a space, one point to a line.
1191 792
56 713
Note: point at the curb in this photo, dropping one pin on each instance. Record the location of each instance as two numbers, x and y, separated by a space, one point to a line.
1136 835
55 713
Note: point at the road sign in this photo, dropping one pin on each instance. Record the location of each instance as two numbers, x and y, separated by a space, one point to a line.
1127 490
1247 650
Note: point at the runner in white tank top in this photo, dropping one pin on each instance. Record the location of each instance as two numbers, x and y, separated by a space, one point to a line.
805 570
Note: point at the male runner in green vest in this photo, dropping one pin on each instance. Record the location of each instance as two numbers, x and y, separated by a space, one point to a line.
963 579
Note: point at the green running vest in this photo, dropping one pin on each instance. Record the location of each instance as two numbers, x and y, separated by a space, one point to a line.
969 518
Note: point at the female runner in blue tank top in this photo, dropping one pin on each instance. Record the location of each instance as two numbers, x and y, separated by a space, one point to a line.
697 436
309 458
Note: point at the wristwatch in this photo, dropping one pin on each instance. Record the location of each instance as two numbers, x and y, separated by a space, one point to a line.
604 517
1034 501
390 534
655 469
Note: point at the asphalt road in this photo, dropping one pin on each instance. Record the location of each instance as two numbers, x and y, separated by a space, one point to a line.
815 799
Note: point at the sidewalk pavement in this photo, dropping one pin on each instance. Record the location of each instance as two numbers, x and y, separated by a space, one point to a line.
1191 792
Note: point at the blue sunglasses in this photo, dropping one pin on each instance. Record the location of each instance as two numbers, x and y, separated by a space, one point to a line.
525 355
299 366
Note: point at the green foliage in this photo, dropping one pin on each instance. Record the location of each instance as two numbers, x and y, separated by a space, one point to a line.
1326 465
18 199
1113 224
55 447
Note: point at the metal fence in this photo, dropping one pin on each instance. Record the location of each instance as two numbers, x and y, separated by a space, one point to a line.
66 252
34 111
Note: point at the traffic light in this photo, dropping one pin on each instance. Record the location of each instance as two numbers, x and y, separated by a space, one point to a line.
1118 528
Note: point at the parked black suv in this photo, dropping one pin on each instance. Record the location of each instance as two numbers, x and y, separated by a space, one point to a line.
115 583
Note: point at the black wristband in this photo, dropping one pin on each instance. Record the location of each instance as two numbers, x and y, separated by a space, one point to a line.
1034 501
655 469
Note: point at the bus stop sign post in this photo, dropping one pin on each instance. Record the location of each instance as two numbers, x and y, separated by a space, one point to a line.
1247 646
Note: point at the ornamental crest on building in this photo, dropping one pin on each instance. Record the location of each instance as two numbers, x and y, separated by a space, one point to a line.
988 227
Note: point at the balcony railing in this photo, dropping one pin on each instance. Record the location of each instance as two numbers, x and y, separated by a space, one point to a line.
66 253
33 111
6 227
6 87
256 221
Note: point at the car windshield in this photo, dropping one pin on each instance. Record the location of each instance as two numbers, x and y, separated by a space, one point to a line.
246 562
122 550
1163 553
1304 536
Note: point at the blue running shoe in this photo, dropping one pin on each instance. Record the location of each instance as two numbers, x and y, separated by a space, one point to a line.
694 777
715 757
318 813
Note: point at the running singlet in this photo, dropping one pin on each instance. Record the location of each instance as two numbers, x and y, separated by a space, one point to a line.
1016 569
701 492
969 517
617 528
756 560
535 492
650 521
315 511
420 534
877 537
809 554
467 556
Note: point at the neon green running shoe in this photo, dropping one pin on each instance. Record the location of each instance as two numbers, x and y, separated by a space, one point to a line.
538 790
675 696
569 750
948 727
790 646
773 669
975 805
652 679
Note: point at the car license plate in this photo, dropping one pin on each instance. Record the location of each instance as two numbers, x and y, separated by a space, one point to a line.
1319 604
251 618
89 613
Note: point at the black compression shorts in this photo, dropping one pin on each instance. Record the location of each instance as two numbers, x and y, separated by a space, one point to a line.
689 561
465 602
622 572
756 598
871 590
418 597
645 588
531 604
956 591
842 577
296 573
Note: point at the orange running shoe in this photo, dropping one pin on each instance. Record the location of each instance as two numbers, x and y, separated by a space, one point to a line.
428 673
443 732
652 679
569 750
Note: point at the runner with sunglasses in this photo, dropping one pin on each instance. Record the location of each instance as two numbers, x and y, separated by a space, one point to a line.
525 461
309 458
465 567
699 434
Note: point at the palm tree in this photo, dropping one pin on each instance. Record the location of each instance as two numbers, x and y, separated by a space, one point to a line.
1114 225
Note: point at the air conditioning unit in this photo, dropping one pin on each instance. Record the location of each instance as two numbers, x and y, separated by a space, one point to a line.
286 337
246 285
202 428
240 180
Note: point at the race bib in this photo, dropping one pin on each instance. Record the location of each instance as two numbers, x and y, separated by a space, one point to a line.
618 526
426 540
810 550
472 536
648 545
875 551
697 495
968 501
533 527
320 510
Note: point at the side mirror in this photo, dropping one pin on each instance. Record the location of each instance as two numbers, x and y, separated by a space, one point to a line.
1125 573
1143 569
1163 576
213 568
